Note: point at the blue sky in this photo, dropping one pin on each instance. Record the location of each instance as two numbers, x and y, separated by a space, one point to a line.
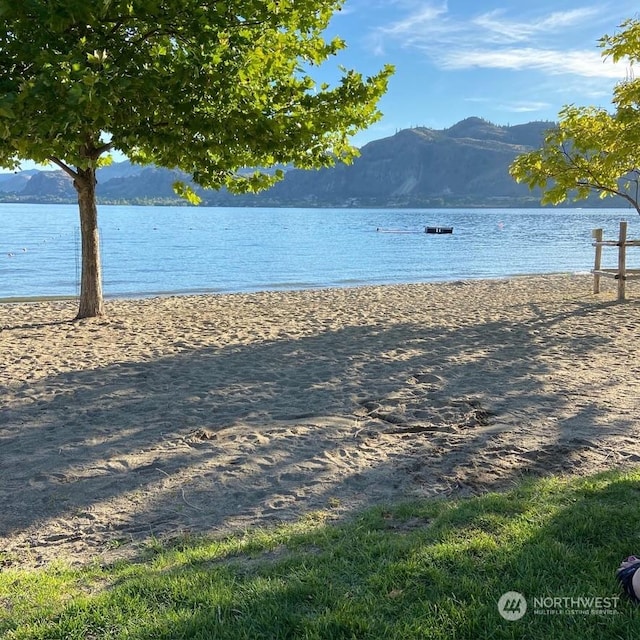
504 60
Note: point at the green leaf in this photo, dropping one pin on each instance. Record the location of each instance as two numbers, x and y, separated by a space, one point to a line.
185 191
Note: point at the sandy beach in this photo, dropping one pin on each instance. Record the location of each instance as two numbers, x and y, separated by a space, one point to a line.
211 414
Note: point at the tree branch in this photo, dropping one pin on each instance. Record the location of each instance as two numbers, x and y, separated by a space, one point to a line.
65 167
593 183
105 148
616 192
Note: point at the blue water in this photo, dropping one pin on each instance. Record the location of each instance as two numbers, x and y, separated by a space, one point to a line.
151 250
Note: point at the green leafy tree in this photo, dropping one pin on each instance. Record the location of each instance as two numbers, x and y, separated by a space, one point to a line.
592 149
202 86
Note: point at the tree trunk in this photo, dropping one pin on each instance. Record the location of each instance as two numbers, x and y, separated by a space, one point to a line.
91 302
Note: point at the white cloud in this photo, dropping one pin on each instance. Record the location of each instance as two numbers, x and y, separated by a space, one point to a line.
526 107
554 62
494 41
499 29
530 106
412 26
411 30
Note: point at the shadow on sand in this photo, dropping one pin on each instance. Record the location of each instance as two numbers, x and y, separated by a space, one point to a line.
218 439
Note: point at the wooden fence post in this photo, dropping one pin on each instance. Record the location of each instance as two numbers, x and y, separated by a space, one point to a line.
597 237
622 260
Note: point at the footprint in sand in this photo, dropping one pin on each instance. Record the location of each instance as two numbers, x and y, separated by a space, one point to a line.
265 462
294 477
279 502
426 377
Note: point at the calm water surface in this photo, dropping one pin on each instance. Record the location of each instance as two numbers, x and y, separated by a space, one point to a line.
152 250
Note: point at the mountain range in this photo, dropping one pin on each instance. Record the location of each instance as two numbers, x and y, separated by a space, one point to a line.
464 165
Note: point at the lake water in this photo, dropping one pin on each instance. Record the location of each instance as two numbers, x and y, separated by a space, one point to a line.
155 250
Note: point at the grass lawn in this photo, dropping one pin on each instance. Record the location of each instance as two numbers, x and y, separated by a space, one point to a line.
432 569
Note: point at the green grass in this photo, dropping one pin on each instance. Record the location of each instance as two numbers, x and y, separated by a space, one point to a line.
433 569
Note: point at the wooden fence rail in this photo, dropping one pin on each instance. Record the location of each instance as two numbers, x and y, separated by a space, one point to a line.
621 274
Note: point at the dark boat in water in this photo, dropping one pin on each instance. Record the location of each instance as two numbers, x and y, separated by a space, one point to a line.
438 230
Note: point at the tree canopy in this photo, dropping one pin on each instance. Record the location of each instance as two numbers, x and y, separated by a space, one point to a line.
592 149
203 86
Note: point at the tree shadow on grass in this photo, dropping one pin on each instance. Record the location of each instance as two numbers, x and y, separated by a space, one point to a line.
218 439
439 569
430 569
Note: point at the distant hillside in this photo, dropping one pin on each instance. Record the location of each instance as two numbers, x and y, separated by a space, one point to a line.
149 183
14 182
465 165
54 185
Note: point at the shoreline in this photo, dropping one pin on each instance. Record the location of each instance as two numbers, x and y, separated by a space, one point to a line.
212 414
179 293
